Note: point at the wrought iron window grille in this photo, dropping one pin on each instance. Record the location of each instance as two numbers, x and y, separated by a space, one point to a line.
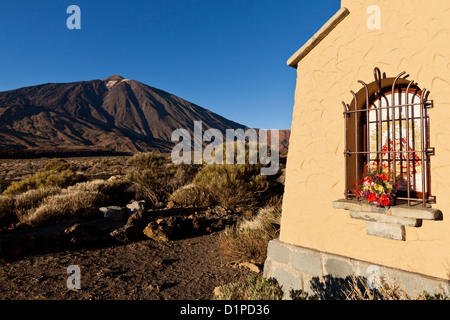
387 124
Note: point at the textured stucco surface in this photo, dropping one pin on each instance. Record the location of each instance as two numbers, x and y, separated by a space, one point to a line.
414 37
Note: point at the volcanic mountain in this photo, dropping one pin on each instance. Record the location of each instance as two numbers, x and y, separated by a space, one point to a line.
114 114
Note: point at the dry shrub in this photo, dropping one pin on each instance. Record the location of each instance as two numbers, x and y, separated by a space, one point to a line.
152 185
107 163
233 185
118 189
59 165
155 178
388 290
6 209
242 153
31 199
275 201
255 288
190 196
147 160
239 183
64 205
56 173
15 208
248 240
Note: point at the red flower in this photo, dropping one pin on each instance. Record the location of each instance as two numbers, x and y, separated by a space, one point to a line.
384 177
384 200
372 197
368 180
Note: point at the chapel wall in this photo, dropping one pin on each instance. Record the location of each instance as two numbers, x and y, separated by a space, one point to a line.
414 37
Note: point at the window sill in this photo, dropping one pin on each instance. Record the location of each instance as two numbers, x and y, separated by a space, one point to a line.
388 222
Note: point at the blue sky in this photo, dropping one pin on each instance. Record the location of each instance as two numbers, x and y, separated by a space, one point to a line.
228 56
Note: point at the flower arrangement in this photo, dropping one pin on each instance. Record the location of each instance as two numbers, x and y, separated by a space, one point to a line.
376 187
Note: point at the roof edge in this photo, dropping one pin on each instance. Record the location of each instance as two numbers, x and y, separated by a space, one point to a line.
318 37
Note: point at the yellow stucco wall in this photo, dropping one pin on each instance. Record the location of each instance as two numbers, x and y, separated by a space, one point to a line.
414 37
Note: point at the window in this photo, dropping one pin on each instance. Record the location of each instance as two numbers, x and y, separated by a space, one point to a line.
387 124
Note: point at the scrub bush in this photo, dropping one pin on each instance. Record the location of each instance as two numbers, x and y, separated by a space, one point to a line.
255 288
190 196
55 174
155 178
248 239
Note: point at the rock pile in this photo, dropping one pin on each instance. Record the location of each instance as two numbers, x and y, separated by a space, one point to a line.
124 224
166 227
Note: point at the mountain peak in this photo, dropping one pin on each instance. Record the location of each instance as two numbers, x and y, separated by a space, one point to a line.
113 80
115 77
115 114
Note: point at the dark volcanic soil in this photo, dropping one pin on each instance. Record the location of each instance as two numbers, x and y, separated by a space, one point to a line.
181 269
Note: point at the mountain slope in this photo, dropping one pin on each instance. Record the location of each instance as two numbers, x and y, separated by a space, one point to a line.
114 114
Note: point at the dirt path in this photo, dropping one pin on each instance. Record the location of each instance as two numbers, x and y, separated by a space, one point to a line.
181 269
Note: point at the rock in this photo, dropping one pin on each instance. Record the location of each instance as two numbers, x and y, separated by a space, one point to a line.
82 233
219 211
128 233
158 232
134 207
88 213
251 266
153 287
217 291
181 227
137 219
170 205
136 214
202 225
113 213
219 225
